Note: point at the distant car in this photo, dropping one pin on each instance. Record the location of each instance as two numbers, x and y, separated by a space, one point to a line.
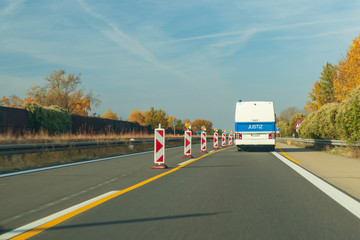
198 133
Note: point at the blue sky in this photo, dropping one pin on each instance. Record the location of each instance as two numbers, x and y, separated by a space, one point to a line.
194 59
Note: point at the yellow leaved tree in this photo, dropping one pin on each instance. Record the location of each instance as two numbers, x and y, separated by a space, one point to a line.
60 90
348 71
110 115
13 101
137 116
323 90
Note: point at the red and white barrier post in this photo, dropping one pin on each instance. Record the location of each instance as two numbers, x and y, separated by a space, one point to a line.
187 142
216 140
230 138
159 148
223 139
203 140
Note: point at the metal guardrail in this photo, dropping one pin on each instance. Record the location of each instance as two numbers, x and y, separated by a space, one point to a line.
11 149
321 141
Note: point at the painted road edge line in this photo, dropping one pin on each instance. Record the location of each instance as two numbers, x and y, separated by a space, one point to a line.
343 199
43 224
44 220
287 155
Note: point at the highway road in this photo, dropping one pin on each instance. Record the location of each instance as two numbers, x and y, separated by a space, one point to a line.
223 195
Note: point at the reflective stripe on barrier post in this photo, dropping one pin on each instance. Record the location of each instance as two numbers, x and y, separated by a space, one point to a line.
223 139
216 142
187 144
203 142
230 138
159 148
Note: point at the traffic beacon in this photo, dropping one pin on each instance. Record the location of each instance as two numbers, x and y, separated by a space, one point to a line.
203 140
216 140
159 148
187 141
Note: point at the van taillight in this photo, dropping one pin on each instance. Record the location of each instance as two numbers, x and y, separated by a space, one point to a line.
272 135
238 136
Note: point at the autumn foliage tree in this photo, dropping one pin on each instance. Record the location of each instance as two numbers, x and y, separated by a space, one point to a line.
154 117
179 124
13 101
323 90
63 91
137 116
198 123
110 115
348 71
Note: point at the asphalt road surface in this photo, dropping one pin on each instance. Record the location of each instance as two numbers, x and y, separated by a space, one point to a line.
225 195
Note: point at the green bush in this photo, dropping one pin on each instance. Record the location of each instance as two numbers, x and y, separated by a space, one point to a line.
284 128
309 127
52 119
320 124
293 121
348 117
326 120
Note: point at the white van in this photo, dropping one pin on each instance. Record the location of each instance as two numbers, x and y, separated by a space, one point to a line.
255 125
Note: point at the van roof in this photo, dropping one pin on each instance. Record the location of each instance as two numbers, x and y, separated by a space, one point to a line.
255 111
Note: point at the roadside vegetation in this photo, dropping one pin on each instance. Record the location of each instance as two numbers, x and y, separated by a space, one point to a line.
333 109
44 137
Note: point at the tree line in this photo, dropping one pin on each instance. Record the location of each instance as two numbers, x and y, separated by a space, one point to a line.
64 94
154 116
333 108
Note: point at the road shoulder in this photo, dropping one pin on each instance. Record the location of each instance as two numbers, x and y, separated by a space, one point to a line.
342 172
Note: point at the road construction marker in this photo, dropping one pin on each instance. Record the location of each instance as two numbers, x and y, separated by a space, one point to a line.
230 138
43 224
223 139
159 149
187 144
203 142
216 140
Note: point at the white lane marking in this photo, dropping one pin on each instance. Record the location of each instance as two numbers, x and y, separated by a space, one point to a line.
344 200
47 219
14 218
185 162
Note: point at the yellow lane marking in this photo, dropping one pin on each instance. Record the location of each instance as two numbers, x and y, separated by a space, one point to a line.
67 216
287 155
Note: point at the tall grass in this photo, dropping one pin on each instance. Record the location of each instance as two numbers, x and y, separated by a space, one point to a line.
9 137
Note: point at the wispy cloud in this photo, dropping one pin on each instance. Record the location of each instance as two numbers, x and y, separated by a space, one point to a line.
244 34
11 7
127 42
337 33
